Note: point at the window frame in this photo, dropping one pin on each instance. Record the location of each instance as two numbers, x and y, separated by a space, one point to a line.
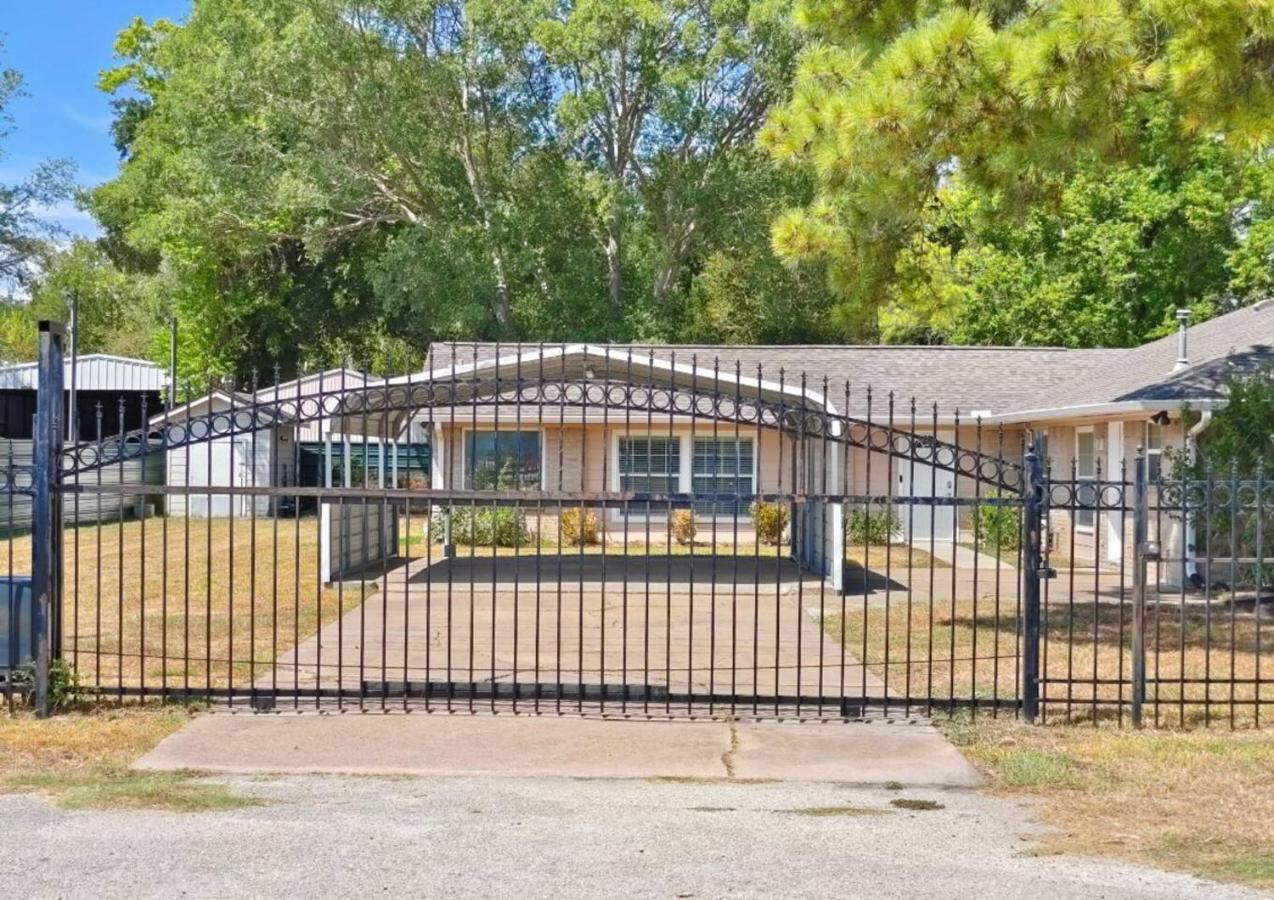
1152 451
1080 526
752 475
685 473
465 475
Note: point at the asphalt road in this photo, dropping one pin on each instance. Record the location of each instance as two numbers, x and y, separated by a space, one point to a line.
330 836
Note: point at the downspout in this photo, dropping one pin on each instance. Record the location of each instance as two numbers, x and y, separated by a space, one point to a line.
1191 570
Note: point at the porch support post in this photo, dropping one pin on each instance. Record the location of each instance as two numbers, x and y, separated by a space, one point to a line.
1142 552
1034 488
46 562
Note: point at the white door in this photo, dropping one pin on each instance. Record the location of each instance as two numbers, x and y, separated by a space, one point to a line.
922 520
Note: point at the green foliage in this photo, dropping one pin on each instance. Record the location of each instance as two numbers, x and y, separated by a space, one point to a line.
682 525
1237 444
997 527
870 526
579 527
323 182
1042 173
770 520
64 684
483 526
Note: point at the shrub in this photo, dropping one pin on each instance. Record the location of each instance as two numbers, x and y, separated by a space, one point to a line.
502 526
682 524
579 528
868 526
997 526
64 684
770 520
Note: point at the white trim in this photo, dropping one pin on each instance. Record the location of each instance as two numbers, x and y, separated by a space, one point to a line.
1084 429
1113 517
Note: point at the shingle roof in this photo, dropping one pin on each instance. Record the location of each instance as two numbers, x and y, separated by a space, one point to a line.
986 380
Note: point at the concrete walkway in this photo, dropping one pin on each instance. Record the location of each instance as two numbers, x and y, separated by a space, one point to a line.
568 746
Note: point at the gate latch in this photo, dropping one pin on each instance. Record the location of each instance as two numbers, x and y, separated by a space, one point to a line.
1046 572
1150 551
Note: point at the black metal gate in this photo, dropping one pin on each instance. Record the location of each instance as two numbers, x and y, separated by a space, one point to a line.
602 531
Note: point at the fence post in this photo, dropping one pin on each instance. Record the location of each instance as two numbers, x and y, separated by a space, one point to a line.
1033 489
1142 552
46 541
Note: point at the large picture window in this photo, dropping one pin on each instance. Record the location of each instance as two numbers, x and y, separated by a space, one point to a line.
502 460
722 466
649 465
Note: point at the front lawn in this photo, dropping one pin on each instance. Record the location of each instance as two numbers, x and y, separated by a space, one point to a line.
198 602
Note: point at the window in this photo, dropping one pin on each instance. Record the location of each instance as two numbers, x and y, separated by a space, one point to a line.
1085 470
502 460
649 465
722 466
1154 451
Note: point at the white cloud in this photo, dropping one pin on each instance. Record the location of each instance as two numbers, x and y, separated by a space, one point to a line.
68 216
97 124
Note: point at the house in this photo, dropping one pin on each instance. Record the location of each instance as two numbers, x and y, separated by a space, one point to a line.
1091 409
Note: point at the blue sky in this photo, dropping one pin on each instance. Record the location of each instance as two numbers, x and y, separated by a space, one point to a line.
60 46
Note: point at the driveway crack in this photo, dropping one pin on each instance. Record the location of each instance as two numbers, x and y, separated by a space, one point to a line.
728 758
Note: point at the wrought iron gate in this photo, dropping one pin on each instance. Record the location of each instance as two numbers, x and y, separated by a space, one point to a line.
601 531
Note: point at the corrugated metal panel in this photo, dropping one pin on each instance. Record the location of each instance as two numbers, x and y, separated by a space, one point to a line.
95 372
16 510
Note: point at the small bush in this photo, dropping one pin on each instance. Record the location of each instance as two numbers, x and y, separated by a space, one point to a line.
64 684
485 526
997 527
868 526
579 528
682 524
770 520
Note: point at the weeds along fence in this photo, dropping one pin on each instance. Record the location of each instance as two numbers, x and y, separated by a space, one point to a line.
604 532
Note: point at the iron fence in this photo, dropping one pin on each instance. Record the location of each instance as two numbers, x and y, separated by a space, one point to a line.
604 531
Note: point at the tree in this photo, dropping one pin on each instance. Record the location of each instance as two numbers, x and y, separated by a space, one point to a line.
658 97
325 180
25 233
894 104
1182 224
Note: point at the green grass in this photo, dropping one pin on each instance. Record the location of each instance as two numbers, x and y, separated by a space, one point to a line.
1199 801
111 788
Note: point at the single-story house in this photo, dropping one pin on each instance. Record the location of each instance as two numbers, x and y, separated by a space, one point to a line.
1091 408
661 419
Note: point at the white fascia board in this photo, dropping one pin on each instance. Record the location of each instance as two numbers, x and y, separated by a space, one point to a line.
606 353
1101 410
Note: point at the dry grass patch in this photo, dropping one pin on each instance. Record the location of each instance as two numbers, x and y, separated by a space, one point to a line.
81 760
969 648
1198 801
231 598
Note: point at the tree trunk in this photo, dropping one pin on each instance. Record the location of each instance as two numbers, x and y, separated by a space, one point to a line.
614 262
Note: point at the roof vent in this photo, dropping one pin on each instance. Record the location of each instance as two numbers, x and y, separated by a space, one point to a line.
1183 333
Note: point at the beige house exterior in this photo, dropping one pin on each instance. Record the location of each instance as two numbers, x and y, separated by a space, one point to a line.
1092 409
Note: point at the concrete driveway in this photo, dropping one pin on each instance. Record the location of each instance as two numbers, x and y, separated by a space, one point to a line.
724 626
